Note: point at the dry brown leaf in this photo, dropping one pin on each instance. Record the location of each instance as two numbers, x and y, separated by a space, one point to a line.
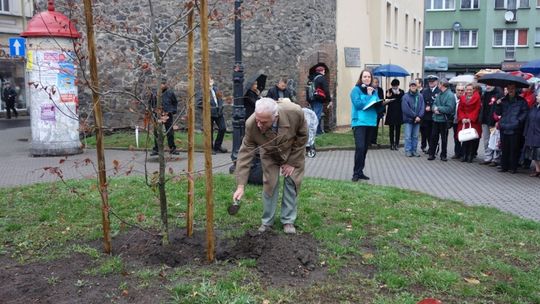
472 281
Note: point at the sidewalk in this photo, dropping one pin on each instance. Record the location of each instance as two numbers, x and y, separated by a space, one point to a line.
470 183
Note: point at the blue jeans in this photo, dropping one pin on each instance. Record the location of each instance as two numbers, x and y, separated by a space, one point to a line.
317 107
411 137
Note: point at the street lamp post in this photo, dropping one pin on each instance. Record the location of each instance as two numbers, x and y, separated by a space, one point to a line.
239 112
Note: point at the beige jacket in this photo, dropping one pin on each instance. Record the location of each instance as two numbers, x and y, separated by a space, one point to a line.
285 147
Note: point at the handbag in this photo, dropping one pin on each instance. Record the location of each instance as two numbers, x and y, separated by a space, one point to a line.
467 134
494 139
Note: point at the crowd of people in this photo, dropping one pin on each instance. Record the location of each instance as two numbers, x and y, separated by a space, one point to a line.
506 120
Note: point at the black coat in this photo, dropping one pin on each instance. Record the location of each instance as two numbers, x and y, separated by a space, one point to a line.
513 114
532 128
217 105
9 95
168 100
488 106
273 93
321 83
249 102
394 114
429 98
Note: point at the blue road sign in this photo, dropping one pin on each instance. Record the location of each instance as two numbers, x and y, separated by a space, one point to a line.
17 47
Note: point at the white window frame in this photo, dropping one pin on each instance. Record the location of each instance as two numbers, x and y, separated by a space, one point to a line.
444 5
10 6
471 44
516 38
537 37
442 46
471 7
518 6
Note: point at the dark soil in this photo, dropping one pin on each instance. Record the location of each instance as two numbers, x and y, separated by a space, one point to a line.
280 259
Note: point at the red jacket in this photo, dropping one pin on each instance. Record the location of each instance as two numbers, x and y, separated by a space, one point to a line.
529 97
470 110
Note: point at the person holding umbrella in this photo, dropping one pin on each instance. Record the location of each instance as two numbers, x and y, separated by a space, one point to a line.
394 113
513 111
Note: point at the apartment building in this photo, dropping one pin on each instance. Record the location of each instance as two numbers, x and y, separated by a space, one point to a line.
463 36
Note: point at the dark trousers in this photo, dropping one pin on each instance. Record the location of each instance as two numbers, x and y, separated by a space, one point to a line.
10 106
439 129
458 149
169 132
362 138
510 147
394 133
426 127
220 123
469 148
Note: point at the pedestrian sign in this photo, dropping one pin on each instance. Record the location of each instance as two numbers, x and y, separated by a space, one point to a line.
17 47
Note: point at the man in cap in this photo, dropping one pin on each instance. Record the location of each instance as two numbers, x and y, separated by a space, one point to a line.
429 94
280 133
443 108
9 96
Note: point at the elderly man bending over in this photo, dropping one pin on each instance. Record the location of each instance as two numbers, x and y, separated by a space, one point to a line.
280 133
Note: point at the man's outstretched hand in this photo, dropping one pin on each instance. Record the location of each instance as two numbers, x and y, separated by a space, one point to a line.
238 193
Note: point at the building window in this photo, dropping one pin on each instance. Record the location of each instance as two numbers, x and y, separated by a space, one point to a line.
440 39
419 40
436 5
468 38
396 20
511 4
510 37
4 5
537 37
469 4
406 31
537 3
388 22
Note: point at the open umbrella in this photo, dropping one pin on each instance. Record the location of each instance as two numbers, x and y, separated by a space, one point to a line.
503 79
462 79
483 72
521 74
532 67
390 70
258 77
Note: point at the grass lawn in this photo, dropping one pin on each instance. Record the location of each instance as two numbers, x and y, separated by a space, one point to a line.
414 245
125 139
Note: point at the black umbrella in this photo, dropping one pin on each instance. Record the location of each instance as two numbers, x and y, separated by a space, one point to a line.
503 79
260 78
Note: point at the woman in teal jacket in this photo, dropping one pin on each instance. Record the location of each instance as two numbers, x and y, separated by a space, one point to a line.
363 120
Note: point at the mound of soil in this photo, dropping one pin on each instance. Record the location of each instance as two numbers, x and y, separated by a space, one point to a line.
281 260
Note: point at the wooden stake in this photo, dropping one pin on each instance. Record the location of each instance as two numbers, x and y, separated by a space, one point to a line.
98 117
191 123
210 247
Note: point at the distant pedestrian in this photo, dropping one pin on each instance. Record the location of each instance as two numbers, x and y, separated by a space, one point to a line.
169 107
9 95
363 121
216 115
321 98
458 153
443 109
489 98
250 98
279 90
394 116
532 137
380 111
413 109
468 115
429 94
513 111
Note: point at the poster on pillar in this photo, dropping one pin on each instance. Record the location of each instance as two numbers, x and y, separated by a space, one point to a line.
52 79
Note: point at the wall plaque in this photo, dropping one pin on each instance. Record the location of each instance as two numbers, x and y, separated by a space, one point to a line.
352 57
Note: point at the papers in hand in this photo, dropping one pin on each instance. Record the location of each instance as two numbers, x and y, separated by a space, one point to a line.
384 102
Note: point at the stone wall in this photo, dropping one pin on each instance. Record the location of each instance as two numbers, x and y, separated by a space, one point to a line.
282 37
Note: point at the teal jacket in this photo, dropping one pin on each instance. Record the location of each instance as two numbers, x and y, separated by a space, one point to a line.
360 117
446 103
